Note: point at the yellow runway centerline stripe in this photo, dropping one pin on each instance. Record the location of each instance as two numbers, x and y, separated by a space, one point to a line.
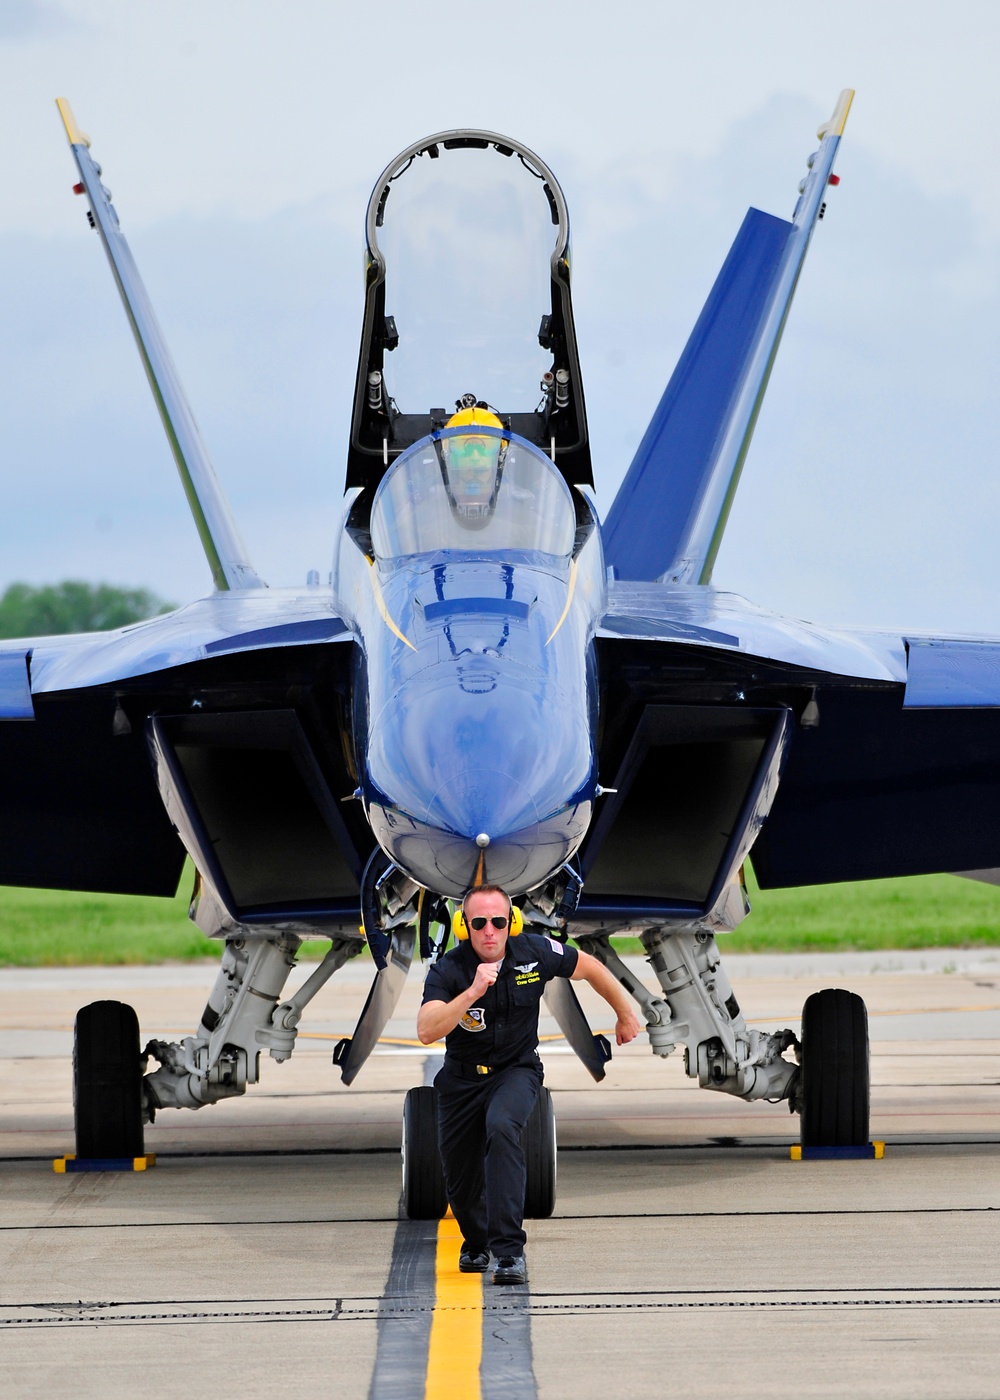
456 1341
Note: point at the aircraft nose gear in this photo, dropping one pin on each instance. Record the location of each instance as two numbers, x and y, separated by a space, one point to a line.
424 1196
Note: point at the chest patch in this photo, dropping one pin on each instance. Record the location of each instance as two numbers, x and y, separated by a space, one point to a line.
526 974
474 1019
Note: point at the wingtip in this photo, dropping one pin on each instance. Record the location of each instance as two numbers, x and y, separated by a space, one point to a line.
835 126
75 136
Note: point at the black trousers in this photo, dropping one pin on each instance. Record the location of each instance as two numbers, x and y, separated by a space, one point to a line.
479 1132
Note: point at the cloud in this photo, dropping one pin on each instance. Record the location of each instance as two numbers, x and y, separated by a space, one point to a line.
30 19
871 492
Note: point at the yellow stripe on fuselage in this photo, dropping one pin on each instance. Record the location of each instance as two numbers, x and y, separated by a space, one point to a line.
456 1341
383 610
571 587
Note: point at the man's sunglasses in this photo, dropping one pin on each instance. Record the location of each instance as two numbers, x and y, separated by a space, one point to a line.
498 921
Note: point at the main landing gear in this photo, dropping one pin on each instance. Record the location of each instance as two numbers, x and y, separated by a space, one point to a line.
424 1195
113 1095
823 1074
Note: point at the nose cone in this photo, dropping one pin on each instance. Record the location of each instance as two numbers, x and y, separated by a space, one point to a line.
490 801
449 764
450 864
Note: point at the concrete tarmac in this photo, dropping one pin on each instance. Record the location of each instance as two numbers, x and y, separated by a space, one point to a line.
687 1255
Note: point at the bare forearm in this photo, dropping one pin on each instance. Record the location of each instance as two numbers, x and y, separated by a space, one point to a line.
604 983
627 1024
436 1018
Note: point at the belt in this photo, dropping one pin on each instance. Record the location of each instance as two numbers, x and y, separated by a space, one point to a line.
467 1071
464 1070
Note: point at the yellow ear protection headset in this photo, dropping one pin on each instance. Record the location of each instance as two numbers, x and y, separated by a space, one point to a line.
460 924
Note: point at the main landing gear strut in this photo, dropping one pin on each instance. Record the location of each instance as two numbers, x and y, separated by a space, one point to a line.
114 1097
823 1073
827 1081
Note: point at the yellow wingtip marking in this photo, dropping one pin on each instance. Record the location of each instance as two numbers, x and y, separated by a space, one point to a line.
75 135
835 126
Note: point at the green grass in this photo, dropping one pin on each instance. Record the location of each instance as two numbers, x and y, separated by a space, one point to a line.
54 928
59 928
922 911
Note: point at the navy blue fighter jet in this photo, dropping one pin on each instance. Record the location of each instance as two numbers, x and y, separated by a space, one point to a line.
495 686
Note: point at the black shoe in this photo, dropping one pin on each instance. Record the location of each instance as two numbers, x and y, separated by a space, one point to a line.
473 1261
511 1270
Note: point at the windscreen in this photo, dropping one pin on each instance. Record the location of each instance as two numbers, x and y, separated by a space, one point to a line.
467 239
472 491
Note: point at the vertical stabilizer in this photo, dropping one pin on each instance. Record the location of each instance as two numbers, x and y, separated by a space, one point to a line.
670 512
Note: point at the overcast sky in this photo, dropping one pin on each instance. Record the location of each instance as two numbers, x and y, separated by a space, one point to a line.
241 140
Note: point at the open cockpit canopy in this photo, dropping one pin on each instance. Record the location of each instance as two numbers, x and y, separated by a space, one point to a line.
467 288
473 490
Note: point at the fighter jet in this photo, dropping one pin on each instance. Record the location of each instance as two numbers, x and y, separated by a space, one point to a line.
495 685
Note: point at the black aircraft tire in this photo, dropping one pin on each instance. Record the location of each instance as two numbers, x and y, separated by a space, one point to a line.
107 1081
423 1179
539 1143
836 1085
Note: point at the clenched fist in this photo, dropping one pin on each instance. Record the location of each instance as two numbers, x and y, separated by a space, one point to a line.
486 975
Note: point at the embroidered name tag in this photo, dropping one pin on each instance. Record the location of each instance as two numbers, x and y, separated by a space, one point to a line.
526 974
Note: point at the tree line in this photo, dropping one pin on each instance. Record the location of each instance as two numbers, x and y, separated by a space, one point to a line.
74 606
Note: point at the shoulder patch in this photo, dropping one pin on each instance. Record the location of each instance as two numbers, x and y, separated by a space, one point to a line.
555 945
474 1019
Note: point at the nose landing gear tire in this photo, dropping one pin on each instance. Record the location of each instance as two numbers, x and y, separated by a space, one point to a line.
424 1196
423 1180
836 1082
539 1143
107 1081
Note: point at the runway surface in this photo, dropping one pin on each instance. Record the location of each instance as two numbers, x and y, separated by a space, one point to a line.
687 1254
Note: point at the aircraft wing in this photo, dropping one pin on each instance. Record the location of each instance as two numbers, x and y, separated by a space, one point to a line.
219 625
83 807
832 755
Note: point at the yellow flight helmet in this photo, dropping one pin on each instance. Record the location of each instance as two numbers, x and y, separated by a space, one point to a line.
472 463
473 417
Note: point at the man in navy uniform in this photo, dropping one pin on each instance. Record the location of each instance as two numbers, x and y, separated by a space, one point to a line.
483 997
